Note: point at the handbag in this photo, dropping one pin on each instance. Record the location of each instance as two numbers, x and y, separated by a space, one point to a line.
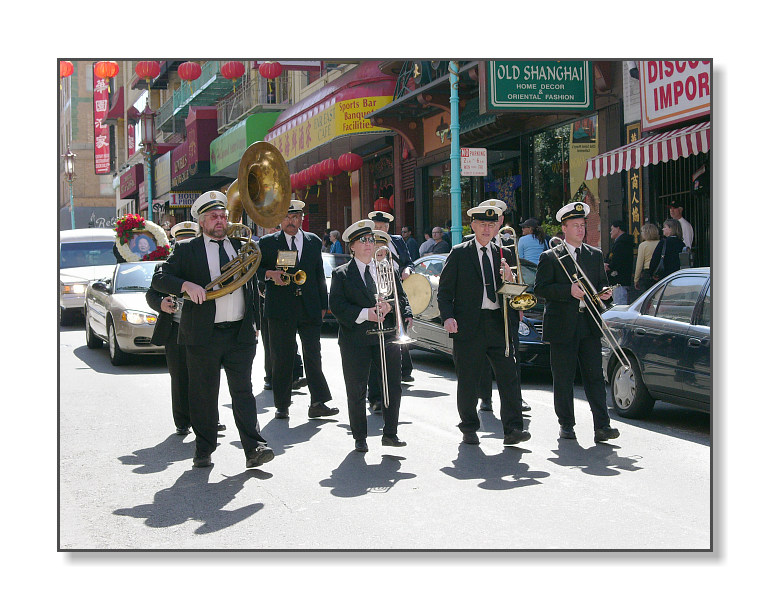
659 272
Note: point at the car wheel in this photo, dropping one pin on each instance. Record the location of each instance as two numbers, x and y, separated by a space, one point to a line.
92 341
630 397
117 355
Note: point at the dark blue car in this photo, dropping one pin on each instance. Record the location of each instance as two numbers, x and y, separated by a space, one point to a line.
666 334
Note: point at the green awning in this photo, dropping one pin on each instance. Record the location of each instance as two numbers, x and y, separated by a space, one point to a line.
226 150
471 119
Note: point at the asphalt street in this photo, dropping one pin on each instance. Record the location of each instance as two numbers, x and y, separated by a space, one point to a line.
127 482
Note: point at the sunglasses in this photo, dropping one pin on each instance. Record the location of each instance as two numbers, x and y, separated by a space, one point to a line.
366 239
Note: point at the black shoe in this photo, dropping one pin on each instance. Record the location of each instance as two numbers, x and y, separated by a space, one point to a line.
515 437
221 427
299 383
268 385
405 378
260 455
392 441
183 431
319 409
361 446
377 407
282 414
525 406
486 404
605 434
470 438
567 432
202 461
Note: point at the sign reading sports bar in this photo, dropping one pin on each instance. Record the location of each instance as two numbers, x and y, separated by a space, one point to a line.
537 85
673 91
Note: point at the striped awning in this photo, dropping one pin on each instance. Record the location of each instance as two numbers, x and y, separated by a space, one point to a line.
654 149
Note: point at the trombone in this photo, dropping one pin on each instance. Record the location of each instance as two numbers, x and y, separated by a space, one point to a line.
593 304
385 284
514 293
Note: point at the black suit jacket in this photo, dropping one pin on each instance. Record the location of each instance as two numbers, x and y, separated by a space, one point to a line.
163 328
188 262
348 296
621 260
553 285
404 256
461 286
280 300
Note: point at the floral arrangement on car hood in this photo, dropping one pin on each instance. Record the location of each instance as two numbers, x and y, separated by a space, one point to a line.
128 230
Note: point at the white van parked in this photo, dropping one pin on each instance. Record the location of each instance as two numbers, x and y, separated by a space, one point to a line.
84 255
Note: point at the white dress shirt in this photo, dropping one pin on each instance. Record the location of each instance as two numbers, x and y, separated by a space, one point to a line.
298 239
486 303
573 253
231 307
364 315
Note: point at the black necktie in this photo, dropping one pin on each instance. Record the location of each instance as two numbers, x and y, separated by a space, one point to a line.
223 258
489 278
293 244
370 288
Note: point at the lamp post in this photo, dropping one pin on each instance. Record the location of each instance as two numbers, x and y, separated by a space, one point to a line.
455 189
69 176
148 143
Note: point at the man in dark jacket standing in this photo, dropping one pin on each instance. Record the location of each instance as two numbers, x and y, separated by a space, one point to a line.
569 327
217 333
619 265
293 308
472 313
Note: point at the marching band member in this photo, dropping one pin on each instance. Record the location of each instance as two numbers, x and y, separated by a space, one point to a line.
471 312
293 308
354 302
574 336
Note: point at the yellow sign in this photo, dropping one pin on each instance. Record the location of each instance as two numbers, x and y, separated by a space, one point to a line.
584 144
340 119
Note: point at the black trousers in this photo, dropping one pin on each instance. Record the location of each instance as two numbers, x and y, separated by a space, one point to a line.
485 379
374 393
176 359
283 347
265 332
204 363
585 350
471 356
356 363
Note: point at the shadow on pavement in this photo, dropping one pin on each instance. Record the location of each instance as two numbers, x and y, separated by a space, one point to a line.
600 460
502 471
194 498
354 477
161 456
280 435
99 361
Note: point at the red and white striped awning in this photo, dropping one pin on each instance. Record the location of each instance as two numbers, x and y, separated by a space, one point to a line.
654 149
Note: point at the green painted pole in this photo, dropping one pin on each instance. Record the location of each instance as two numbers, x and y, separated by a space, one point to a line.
454 155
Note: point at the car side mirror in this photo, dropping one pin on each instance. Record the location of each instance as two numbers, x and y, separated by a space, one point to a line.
100 286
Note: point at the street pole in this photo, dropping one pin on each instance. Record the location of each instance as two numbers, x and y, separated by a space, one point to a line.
149 183
454 155
72 206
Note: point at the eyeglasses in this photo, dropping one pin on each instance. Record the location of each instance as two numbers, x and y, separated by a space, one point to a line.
366 239
217 215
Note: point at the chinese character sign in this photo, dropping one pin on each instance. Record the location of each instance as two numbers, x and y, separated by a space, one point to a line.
634 189
101 129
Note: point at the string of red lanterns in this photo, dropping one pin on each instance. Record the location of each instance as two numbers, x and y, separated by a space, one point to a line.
189 71
106 70
232 70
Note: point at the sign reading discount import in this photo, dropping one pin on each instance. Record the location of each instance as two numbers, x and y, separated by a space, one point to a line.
539 85
674 91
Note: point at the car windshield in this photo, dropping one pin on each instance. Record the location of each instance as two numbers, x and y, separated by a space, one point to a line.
331 261
86 254
134 277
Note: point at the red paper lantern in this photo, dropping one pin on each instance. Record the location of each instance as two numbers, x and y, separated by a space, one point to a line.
189 71
147 70
106 69
65 69
350 162
330 167
382 205
315 173
270 69
232 70
301 179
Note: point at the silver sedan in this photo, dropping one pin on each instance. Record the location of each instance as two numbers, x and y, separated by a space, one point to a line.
116 311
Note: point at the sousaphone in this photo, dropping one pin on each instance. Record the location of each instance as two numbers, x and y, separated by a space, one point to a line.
263 191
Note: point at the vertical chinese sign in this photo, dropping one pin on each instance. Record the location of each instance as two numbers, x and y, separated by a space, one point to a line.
634 189
101 129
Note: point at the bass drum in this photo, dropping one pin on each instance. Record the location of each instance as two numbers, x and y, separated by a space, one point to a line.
421 290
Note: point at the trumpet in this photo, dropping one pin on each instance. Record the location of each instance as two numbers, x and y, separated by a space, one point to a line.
514 294
593 303
387 292
299 277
